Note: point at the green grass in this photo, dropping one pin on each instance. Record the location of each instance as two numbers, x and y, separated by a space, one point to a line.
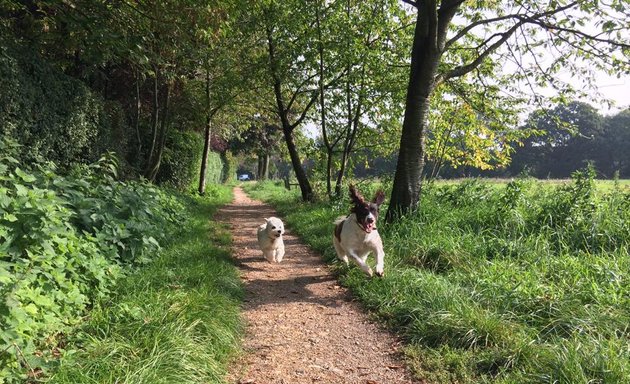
603 185
522 282
173 321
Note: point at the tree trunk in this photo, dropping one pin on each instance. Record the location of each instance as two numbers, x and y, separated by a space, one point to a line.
348 143
437 164
329 171
263 166
300 174
266 159
348 146
287 128
342 171
425 56
204 156
351 131
154 122
157 159
322 103
207 138
136 122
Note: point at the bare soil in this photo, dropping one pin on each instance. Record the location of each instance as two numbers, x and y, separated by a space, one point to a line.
301 325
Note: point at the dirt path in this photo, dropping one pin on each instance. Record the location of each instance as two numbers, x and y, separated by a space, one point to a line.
302 327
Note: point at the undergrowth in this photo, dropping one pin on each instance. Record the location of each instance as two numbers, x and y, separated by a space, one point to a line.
64 242
175 320
522 282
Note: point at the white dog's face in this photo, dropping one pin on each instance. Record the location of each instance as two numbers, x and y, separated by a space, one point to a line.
274 228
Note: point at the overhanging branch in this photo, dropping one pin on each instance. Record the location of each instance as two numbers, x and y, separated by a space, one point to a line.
522 19
471 26
581 34
464 69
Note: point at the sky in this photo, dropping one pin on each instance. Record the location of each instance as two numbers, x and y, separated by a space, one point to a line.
615 89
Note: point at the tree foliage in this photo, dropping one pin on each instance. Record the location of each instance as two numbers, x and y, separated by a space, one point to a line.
142 58
362 45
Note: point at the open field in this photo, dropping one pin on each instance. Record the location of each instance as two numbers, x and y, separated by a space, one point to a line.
522 282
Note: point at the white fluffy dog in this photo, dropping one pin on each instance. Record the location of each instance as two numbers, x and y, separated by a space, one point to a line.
270 239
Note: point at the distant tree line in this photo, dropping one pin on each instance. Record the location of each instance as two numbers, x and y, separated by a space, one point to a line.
565 138
571 136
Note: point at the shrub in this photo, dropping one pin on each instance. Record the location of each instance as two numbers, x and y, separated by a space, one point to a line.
230 164
64 240
214 170
52 115
181 160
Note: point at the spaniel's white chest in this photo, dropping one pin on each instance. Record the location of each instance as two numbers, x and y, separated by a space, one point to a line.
353 237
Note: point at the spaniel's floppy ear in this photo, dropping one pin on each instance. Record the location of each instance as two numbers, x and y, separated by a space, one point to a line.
355 196
379 198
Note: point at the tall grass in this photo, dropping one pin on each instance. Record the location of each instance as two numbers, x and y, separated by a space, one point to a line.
173 321
523 282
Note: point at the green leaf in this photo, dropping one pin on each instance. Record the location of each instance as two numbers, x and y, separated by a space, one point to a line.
25 176
31 309
11 218
21 190
5 276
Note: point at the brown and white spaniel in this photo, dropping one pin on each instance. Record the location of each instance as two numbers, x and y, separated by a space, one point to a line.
356 235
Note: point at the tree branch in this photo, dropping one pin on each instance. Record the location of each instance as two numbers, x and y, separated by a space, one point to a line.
464 69
582 34
313 99
523 19
410 2
471 26
445 15
298 121
298 91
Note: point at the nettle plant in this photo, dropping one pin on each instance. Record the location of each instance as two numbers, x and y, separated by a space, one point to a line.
65 240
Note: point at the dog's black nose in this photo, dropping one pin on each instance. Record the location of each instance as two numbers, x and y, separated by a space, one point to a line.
370 220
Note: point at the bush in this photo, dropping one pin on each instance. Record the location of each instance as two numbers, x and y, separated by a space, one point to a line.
181 160
64 241
52 115
214 171
230 164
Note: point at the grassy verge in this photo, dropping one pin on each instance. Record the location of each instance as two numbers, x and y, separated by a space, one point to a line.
173 321
517 283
